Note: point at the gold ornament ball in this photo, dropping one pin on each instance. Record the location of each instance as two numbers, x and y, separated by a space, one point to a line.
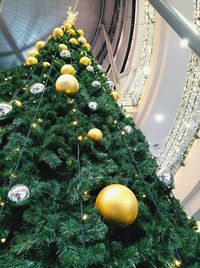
31 61
46 64
67 26
87 46
58 32
73 41
67 69
71 32
116 95
118 205
32 53
17 104
95 134
81 32
85 61
63 47
82 40
39 45
67 83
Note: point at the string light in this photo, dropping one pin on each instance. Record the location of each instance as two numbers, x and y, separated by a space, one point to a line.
115 122
178 263
123 132
74 110
40 120
3 240
85 217
74 123
34 125
80 138
186 125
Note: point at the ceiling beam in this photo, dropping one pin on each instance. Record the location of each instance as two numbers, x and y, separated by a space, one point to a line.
10 39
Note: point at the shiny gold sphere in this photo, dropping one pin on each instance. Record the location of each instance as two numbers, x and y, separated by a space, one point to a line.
17 104
46 64
117 204
67 25
31 61
67 83
81 32
85 61
39 45
87 46
82 40
71 32
67 69
73 41
32 53
58 32
95 134
63 47
116 95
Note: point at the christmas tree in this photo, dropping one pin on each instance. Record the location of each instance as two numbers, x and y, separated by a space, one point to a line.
79 186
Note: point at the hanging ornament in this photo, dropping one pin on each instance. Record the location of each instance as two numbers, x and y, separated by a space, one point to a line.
110 84
31 61
90 69
67 69
71 32
67 83
65 54
73 41
96 84
99 67
58 32
39 45
37 88
46 64
19 193
85 61
17 104
63 47
115 95
5 108
118 205
128 129
81 32
82 40
32 53
67 25
95 134
87 46
167 178
92 105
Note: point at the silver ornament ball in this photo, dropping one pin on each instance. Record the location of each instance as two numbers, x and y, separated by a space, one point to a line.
92 105
167 178
110 84
65 54
19 193
128 129
90 69
96 84
5 108
37 88
99 67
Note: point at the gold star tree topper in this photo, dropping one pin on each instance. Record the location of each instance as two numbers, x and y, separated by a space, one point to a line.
71 16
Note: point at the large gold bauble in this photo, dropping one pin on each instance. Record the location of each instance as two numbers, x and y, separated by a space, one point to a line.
67 26
81 32
58 32
67 83
71 32
73 41
85 61
63 47
46 64
31 61
67 69
87 46
39 45
32 53
116 95
82 40
95 134
118 205
17 104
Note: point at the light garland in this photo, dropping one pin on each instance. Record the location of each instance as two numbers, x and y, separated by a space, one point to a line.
146 54
187 121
